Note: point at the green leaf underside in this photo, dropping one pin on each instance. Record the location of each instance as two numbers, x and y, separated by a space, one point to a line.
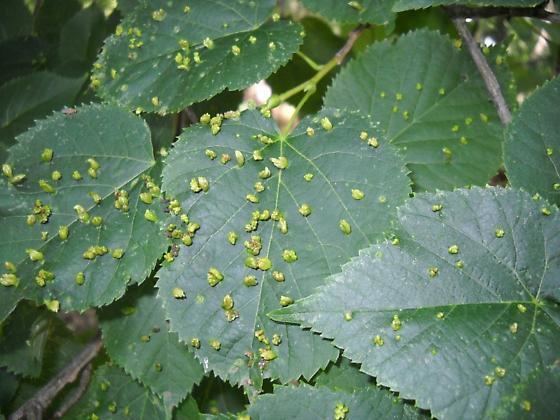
113 394
364 11
32 97
120 143
136 337
23 339
402 5
532 147
429 126
339 162
500 311
135 76
305 403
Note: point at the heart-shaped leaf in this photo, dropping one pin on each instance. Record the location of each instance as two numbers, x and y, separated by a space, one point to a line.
74 225
136 326
277 214
165 56
463 310
305 402
430 100
532 147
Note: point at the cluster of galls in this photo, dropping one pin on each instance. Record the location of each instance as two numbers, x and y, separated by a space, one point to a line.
266 353
215 122
8 172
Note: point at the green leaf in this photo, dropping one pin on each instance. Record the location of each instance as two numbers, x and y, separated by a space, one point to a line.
113 394
136 326
20 56
532 147
402 5
536 397
23 339
15 19
335 162
80 38
363 11
305 402
120 144
437 111
471 293
146 65
344 376
32 97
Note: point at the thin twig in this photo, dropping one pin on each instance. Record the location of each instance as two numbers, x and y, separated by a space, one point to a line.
509 12
35 406
352 38
85 377
485 70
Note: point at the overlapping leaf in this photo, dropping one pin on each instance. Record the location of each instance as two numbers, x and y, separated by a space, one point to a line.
306 403
32 97
22 340
343 376
31 217
336 195
532 147
364 11
114 394
430 100
168 55
136 337
401 5
461 311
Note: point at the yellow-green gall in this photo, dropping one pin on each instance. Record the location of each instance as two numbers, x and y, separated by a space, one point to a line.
232 238
286 301
345 227
215 344
47 155
56 176
35 255
63 232
378 341
117 253
264 264
278 276
178 293
45 186
10 266
500 233
9 280
52 305
7 170
305 210
453 249
433 271
150 216
250 281
357 194
240 158
76 175
227 302
214 276
326 124
80 278
289 255
235 50
280 162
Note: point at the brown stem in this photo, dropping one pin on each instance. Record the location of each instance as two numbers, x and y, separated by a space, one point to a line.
347 47
509 12
34 407
85 377
492 84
